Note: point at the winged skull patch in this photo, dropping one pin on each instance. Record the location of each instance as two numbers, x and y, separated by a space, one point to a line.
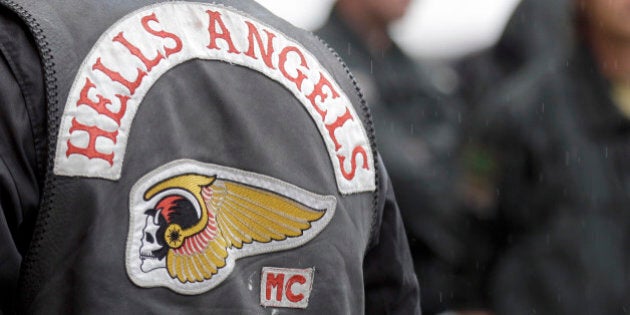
190 222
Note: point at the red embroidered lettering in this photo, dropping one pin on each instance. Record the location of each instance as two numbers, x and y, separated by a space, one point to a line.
289 291
337 124
117 77
90 151
283 60
353 162
266 55
297 288
275 281
318 91
101 105
163 34
148 63
215 18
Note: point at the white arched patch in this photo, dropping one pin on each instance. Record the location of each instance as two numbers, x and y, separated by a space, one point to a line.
189 222
132 55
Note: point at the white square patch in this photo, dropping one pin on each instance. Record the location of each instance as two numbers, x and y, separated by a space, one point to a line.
284 287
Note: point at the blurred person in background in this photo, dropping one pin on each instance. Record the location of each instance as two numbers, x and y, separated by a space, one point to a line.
547 191
417 124
538 33
534 34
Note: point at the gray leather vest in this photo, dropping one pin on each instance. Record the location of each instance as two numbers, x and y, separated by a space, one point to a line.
204 158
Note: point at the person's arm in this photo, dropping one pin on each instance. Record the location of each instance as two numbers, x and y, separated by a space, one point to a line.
391 285
10 203
22 116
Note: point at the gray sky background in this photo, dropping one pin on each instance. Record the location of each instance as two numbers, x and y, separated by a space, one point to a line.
432 29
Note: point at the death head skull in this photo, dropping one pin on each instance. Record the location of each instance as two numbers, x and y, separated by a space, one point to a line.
172 209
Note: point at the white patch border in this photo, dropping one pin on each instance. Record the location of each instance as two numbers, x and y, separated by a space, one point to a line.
76 165
159 277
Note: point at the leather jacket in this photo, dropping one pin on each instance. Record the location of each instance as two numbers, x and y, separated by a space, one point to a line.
185 157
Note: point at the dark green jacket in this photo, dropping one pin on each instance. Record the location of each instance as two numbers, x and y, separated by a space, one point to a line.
557 231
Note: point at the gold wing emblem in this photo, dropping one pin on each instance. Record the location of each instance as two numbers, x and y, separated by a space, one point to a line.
232 215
